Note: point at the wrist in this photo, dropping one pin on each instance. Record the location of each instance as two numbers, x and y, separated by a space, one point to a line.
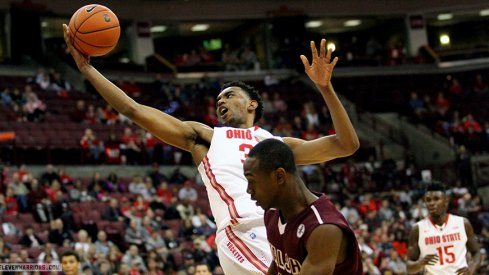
324 88
84 67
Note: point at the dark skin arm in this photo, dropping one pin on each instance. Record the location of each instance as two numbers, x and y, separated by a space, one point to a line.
415 264
473 247
326 245
272 270
188 136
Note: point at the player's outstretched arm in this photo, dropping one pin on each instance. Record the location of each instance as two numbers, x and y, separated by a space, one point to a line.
474 248
345 141
415 264
169 129
323 248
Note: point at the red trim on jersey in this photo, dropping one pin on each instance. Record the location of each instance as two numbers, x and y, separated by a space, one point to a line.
233 212
245 250
256 128
444 224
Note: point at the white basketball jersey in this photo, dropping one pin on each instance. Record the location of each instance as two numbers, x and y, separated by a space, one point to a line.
222 172
447 241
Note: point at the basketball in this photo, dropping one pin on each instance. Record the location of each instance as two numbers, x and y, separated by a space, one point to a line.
94 30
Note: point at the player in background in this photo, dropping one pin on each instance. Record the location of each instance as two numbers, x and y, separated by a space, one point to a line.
438 244
70 263
307 234
202 269
220 152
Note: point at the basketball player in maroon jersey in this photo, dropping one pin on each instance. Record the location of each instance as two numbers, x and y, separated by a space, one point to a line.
307 234
438 244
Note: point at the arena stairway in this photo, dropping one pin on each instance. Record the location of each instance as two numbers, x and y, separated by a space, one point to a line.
426 146
386 146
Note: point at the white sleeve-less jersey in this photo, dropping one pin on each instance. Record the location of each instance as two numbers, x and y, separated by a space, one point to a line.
222 172
447 241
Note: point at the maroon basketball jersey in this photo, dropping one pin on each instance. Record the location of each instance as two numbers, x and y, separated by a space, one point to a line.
288 241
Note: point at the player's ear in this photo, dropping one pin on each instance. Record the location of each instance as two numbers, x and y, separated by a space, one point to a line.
280 176
253 104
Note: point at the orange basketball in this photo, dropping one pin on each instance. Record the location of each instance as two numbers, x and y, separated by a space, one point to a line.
94 30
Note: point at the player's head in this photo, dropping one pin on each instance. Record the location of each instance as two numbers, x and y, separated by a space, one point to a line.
266 170
436 199
70 262
202 269
236 101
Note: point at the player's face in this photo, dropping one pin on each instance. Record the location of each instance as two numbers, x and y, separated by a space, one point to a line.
69 265
202 270
260 184
232 105
436 202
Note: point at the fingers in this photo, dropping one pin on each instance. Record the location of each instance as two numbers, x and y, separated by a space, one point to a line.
70 49
314 51
322 52
335 60
328 55
461 271
431 259
66 35
66 30
305 61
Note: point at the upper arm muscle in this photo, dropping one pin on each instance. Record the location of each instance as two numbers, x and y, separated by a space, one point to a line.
315 151
323 247
413 250
472 243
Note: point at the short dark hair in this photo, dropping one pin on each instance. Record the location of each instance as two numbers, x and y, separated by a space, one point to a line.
251 92
435 186
274 154
203 263
68 253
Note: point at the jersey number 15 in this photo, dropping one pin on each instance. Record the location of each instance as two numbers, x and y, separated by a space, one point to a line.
446 255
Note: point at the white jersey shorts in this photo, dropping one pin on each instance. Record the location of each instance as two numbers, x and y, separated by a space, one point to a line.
243 249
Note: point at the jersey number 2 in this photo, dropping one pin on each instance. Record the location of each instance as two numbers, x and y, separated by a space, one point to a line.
245 148
445 254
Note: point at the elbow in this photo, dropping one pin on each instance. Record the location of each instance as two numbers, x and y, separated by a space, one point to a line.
355 144
352 146
130 110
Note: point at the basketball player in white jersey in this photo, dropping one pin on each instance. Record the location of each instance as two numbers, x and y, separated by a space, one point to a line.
220 152
438 244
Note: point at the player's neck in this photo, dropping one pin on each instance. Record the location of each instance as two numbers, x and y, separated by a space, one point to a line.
244 125
298 200
439 219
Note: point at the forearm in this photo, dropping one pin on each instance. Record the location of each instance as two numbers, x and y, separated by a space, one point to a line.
475 262
414 267
345 132
108 90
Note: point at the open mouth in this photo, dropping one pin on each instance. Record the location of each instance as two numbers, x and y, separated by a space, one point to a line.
222 111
